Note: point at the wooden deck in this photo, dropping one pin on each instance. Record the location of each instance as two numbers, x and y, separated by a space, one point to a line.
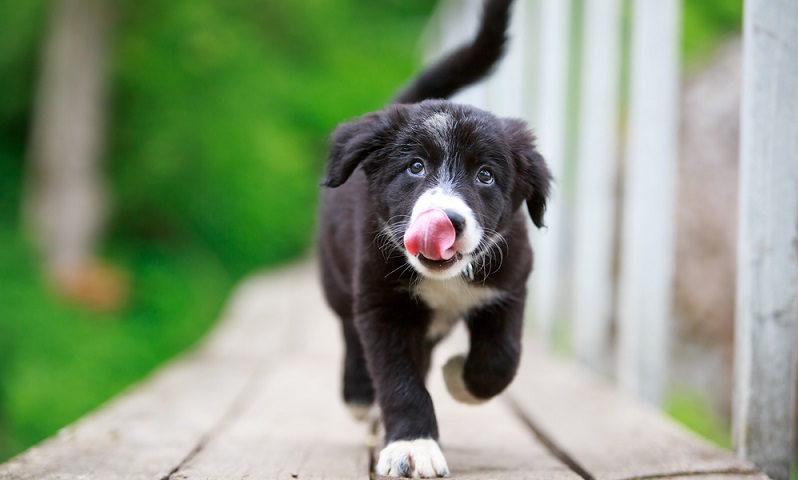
260 400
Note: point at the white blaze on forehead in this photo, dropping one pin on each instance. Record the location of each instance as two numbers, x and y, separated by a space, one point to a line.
438 126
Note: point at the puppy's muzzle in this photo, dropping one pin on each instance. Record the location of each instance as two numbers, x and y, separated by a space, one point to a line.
432 235
431 238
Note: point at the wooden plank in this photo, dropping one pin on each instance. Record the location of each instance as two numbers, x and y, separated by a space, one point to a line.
595 202
608 435
293 425
647 243
486 441
149 431
293 422
767 260
551 133
721 476
261 400
143 435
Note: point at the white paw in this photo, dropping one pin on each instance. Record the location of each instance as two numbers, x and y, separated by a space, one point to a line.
420 458
453 376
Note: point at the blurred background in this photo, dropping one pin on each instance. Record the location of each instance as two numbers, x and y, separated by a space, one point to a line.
128 210
154 153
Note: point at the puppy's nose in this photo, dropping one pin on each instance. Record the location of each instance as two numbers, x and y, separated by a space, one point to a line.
458 222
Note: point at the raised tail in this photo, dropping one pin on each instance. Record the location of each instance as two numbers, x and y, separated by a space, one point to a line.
469 63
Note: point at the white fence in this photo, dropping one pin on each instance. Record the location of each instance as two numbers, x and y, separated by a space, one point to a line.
573 276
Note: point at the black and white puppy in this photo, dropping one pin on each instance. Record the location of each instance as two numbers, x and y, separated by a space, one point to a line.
421 225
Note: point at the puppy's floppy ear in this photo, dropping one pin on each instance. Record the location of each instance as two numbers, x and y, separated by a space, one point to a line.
534 176
352 142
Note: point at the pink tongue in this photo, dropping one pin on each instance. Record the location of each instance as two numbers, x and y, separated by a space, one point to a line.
432 235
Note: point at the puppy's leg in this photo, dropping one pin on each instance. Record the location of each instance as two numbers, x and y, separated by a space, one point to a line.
494 355
358 388
398 355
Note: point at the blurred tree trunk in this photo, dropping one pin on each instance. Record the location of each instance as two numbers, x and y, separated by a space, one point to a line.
65 198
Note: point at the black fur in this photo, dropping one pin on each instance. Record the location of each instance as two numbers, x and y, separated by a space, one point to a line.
366 276
469 63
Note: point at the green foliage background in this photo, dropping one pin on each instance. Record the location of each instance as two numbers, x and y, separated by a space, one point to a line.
219 117
220 111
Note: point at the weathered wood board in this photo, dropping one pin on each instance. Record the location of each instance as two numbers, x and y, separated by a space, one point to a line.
293 425
487 440
144 434
767 249
645 287
261 400
594 207
608 435
149 431
292 422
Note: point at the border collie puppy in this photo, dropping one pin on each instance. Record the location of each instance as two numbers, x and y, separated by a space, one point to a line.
422 225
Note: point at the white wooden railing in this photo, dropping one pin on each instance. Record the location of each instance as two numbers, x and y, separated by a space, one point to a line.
577 282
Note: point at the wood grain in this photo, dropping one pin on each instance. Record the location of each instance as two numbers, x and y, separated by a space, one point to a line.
597 157
609 435
260 400
148 431
767 249
292 423
144 434
487 440
647 238
554 29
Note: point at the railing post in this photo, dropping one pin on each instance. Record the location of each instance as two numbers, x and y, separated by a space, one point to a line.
551 132
647 243
767 262
597 156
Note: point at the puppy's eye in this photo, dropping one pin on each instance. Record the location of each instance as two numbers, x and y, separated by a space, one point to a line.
485 176
416 167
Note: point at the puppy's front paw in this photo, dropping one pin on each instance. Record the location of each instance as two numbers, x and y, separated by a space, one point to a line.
420 458
453 376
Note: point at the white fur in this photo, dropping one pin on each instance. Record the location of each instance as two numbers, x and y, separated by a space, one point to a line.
420 458
450 299
453 376
442 197
439 125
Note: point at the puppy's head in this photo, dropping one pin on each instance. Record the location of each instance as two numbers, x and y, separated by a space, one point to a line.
445 179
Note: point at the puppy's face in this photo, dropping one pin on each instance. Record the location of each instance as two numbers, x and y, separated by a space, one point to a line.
445 180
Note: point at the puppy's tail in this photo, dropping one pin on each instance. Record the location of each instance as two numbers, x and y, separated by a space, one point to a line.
469 63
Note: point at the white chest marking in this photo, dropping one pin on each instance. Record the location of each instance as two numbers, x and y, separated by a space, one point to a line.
450 300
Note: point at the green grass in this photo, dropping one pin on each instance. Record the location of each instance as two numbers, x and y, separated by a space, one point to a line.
706 24
693 411
58 361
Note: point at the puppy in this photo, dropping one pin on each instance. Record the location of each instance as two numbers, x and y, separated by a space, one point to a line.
421 225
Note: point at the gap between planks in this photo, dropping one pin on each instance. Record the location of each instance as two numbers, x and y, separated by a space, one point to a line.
605 435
